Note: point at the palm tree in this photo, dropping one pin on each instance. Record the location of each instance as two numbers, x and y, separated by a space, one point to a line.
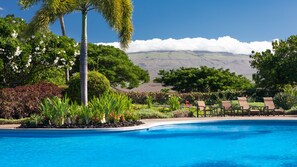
117 13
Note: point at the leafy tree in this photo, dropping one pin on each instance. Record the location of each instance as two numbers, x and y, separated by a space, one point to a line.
29 3
115 65
276 67
203 79
23 58
118 14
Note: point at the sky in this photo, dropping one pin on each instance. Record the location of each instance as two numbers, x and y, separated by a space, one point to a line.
238 26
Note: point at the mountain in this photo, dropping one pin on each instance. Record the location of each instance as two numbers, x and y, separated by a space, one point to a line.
157 60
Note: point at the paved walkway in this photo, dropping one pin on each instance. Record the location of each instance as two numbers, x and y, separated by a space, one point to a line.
148 123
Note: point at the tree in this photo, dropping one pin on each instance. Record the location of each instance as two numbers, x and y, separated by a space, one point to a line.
23 60
29 3
115 65
276 67
118 14
203 79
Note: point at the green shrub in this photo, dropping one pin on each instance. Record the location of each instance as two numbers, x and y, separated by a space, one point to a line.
55 110
149 101
285 100
131 115
97 84
12 121
112 105
150 113
182 113
174 103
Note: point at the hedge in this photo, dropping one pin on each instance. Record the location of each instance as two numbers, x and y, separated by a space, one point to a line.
22 101
209 98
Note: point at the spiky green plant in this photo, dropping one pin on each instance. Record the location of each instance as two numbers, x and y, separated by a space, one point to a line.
55 110
149 101
174 103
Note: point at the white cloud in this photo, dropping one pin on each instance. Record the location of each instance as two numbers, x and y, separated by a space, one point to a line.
222 44
1 8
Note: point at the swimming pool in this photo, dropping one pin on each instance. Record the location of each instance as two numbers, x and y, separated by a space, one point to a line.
221 143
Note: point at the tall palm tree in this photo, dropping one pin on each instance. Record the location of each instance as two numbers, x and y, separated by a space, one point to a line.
25 4
117 13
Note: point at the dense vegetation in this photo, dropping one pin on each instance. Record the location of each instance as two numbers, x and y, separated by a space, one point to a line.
203 79
98 84
115 65
27 60
277 67
22 101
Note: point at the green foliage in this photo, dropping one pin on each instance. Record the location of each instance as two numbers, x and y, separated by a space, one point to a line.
285 100
117 104
149 101
203 79
110 107
182 113
12 121
288 98
115 65
277 67
151 113
26 59
174 103
97 84
55 110
165 90
211 98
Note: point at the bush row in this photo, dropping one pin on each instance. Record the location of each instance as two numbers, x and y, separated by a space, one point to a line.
210 98
22 101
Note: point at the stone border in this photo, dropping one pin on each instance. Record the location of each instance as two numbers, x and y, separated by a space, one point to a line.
148 123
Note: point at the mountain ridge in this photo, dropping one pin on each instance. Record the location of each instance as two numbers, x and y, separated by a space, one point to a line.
153 61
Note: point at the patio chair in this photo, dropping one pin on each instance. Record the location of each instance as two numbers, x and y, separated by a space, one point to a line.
227 106
269 107
202 107
245 107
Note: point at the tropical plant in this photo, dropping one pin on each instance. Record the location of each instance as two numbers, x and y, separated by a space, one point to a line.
174 103
55 110
118 13
149 101
288 98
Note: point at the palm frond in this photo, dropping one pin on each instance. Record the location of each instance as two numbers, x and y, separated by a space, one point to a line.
118 14
25 4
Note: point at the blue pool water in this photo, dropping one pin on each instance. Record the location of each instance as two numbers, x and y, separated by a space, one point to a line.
222 144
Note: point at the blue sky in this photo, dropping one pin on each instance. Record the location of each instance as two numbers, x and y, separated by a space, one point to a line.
244 20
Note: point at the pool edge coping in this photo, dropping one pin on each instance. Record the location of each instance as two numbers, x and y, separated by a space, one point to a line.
149 123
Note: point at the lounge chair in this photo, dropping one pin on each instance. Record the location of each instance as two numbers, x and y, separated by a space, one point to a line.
202 107
269 107
227 106
245 107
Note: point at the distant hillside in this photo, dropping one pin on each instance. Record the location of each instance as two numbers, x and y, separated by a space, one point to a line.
155 61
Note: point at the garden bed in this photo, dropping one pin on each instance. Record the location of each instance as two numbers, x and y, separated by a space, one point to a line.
104 125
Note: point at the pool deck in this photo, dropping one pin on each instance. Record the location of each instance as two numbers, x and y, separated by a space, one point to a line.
148 123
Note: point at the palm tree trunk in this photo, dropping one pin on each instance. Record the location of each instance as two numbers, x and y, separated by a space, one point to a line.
62 24
83 61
